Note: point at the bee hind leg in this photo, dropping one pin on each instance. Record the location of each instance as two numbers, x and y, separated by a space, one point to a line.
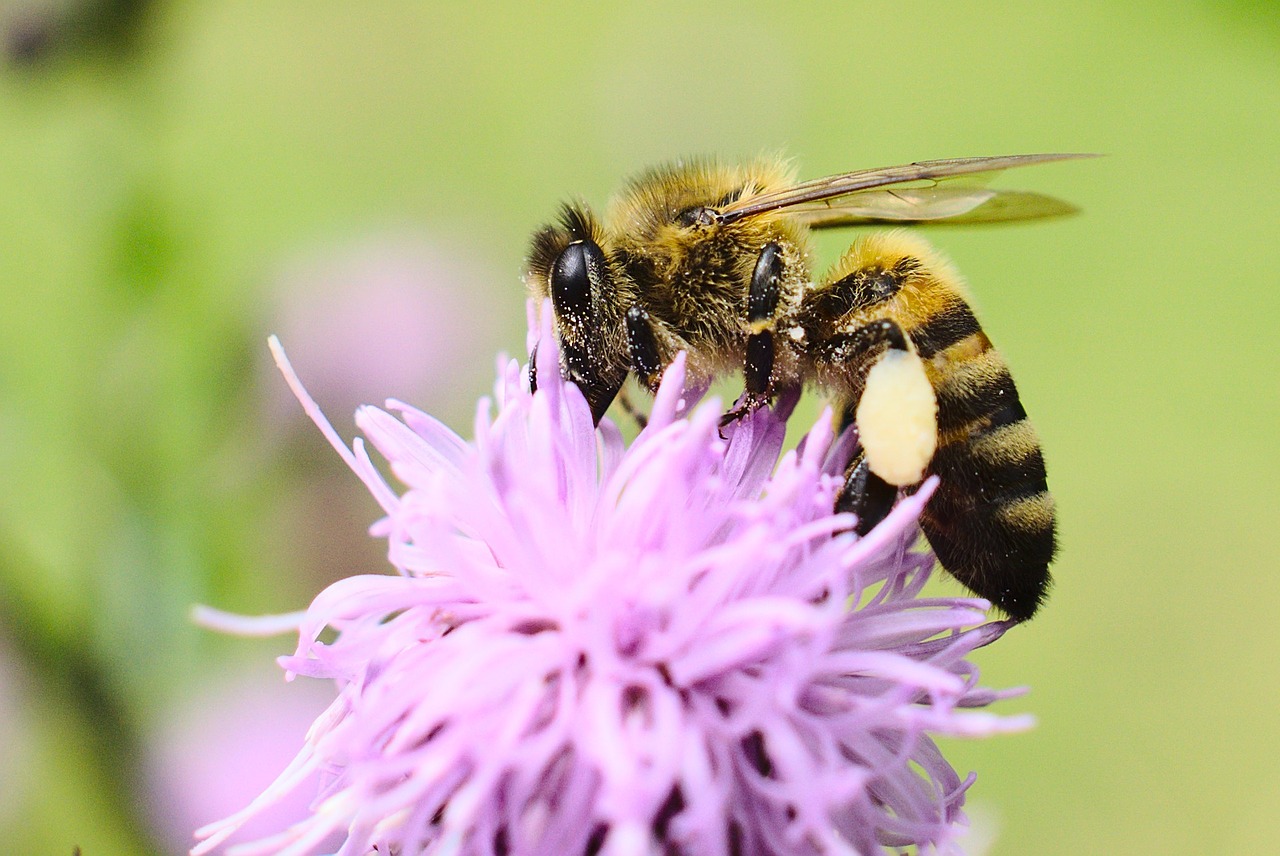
896 411
897 432
849 347
865 494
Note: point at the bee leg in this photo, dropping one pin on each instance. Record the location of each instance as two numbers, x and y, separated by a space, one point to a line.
533 370
897 408
762 303
629 407
852 348
865 494
646 361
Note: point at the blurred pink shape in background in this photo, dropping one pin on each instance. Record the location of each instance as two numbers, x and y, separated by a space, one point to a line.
390 315
215 751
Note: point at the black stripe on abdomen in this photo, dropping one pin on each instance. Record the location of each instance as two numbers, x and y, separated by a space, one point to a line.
1017 474
975 390
943 329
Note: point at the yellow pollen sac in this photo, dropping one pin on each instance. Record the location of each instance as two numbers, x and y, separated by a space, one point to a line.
897 418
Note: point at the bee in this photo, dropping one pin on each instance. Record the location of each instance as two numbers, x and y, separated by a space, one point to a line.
715 260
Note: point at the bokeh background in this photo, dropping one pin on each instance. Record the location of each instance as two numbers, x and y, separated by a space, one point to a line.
178 179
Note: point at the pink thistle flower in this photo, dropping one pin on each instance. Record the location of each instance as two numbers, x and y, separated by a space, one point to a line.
672 648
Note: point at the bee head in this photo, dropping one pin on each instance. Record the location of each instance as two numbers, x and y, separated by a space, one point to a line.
568 263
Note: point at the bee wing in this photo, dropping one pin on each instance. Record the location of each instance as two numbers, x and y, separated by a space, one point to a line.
950 205
959 174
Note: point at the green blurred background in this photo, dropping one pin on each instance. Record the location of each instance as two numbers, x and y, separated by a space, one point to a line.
179 179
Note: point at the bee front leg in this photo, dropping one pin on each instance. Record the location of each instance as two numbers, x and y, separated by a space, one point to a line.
646 360
629 407
533 369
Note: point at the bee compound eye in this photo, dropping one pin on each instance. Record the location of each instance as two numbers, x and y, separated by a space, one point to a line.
576 270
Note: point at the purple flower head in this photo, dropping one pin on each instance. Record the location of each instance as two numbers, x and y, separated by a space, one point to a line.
671 648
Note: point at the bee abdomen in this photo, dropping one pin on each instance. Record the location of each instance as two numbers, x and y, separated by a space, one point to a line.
953 324
991 521
974 388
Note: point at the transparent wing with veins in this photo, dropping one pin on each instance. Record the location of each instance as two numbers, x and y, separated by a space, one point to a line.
953 190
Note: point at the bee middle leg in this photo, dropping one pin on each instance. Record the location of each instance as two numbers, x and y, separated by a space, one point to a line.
762 303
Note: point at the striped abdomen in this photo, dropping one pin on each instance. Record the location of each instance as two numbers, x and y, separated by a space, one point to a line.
991 521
